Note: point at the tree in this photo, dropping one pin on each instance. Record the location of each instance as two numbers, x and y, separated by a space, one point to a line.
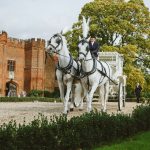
119 26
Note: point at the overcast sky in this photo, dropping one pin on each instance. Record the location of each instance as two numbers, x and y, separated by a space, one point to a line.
39 18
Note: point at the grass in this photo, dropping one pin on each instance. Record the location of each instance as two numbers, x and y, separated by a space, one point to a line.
138 142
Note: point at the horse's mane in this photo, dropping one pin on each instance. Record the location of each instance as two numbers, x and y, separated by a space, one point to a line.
85 27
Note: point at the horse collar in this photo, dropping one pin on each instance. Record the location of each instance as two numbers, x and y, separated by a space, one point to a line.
84 74
66 69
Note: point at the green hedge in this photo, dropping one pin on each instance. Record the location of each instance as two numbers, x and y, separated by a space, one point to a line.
28 99
86 131
40 93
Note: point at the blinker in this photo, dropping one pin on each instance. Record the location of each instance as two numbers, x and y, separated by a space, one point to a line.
58 40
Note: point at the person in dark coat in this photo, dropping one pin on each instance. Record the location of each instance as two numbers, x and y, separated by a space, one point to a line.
94 47
138 90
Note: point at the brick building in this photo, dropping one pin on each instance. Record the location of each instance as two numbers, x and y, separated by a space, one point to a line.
23 66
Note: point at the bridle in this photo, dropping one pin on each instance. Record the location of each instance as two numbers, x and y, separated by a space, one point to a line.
59 42
83 41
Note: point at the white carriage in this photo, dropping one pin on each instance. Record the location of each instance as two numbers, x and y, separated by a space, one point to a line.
115 60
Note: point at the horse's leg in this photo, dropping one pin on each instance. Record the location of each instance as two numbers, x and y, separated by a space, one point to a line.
69 86
90 97
84 95
61 88
100 93
106 91
72 99
101 97
60 84
81 104
81 96
76 95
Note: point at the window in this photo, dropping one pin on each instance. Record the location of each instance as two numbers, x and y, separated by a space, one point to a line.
11 65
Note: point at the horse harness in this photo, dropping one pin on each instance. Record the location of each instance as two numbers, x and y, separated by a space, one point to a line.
66 69
94 68
59 42
102 72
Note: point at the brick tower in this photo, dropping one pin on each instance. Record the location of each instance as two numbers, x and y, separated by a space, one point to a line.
11 65
34 64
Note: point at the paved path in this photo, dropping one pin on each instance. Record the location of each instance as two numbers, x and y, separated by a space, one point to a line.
28 110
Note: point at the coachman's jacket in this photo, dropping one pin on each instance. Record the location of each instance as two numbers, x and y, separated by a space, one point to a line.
94 48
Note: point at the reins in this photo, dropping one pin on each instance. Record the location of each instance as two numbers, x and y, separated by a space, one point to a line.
61 54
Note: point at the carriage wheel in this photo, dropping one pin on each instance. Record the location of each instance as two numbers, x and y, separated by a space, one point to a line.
120 97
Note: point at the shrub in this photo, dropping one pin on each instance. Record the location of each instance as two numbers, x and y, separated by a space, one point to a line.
130 92
142 117
28 99
54 94
146 94
8 136
35 93
40 93
85 131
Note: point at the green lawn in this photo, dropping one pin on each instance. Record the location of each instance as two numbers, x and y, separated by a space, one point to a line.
138 142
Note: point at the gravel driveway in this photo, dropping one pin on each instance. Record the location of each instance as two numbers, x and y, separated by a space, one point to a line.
21 111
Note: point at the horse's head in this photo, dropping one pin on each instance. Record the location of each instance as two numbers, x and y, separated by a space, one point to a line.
83 48
84 42
55 43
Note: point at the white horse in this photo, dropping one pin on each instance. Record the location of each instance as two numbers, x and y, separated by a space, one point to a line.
94 74
66 71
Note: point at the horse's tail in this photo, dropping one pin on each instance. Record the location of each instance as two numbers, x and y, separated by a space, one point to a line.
77 93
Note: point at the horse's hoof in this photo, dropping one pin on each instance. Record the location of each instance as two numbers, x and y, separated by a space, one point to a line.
119 110
65 113
71 109
103 111
89 110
